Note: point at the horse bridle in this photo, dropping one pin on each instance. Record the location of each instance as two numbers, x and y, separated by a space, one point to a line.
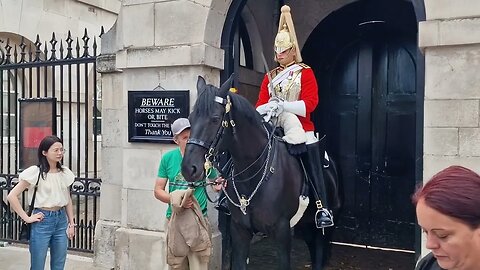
211 147
244 201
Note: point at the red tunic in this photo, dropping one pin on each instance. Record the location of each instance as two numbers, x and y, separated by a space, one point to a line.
308 93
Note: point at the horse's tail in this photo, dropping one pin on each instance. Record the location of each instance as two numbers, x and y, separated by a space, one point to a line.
333 185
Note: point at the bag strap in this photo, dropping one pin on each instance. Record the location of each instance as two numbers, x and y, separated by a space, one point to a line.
30 210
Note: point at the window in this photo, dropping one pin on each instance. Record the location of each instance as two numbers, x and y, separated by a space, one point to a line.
246 54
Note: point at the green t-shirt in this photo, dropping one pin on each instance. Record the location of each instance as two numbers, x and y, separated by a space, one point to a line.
170 168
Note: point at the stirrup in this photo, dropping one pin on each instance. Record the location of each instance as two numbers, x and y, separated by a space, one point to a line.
323 218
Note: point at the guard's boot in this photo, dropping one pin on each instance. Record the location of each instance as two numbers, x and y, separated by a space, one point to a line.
222 203
312 161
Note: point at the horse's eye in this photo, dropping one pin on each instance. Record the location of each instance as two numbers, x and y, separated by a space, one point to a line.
216 119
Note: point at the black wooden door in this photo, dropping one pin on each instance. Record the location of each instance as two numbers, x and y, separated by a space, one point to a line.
370 122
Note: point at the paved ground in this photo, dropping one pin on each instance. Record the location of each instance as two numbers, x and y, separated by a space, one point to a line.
262 258
18 258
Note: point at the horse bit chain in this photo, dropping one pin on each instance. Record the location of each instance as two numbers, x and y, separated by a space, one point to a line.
243 200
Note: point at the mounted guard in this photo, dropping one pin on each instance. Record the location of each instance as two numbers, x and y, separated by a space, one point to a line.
289 94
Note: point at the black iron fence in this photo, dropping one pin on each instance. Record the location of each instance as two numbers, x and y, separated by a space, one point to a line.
66 71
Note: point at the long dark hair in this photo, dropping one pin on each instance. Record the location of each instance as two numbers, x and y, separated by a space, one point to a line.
45 144
454 192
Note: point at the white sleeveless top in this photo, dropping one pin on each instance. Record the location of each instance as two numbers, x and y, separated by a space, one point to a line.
53 191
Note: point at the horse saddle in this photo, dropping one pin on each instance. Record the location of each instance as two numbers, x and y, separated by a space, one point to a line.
298 149
278 133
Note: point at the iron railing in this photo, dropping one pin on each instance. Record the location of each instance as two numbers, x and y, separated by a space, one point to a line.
68 74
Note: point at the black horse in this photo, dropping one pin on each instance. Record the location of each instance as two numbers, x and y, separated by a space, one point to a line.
266 181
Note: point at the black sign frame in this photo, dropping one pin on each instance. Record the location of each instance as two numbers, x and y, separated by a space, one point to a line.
155 111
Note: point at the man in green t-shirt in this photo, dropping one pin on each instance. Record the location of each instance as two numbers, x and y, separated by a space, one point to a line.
170 172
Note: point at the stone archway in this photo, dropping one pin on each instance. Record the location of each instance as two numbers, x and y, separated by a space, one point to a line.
306 26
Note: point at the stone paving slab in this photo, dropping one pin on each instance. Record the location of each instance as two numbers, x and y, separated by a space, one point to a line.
18 258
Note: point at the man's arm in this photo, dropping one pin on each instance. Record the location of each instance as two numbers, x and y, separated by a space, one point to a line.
159 190
309 93
263 96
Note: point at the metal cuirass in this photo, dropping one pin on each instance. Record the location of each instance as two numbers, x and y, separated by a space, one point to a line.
289 89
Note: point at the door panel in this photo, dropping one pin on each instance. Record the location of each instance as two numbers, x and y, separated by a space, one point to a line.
347 135
371 129
393 125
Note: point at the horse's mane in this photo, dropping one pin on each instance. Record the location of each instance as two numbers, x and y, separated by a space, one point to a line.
204 105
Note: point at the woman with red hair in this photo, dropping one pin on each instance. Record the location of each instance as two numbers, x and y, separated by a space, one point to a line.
448 211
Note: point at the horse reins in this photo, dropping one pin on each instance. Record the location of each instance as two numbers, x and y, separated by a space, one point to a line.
211 147
211 152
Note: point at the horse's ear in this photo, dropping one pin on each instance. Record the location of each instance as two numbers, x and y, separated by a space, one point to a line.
201 85
226 86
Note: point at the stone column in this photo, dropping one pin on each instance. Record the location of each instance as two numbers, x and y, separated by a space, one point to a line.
152 43
451 42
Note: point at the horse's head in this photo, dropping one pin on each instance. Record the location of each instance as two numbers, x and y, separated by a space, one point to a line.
206 127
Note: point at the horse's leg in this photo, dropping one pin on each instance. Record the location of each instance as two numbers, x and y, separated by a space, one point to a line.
224 226
240 246
322 248
283 237
308 235
318 245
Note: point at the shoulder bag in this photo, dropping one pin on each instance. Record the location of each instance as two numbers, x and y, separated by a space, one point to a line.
26 227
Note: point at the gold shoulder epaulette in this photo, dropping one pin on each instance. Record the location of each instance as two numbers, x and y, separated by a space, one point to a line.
304 65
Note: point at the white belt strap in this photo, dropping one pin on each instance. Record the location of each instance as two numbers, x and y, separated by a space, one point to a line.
284 74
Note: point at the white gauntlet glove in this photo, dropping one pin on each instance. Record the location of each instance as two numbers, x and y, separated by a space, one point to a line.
267 107
278 109
277 106
296 107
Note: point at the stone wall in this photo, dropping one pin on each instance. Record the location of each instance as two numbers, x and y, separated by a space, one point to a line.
451 42
167 43
31 17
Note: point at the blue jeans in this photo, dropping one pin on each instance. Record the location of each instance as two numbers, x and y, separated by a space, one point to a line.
50 232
